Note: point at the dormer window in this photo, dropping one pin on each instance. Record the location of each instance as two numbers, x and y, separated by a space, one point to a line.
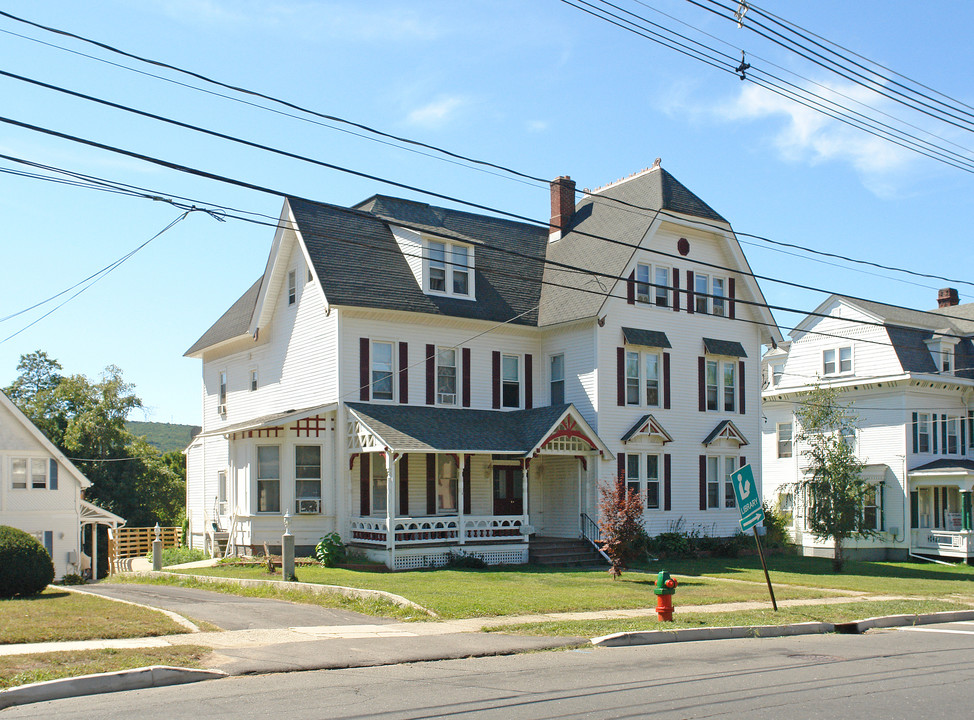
942 352
449 269
837 361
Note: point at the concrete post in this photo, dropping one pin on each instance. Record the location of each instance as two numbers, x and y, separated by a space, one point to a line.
287 549
157 550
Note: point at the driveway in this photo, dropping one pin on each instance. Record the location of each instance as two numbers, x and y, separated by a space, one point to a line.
232 612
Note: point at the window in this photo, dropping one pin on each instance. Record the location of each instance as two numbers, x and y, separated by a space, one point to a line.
446 483
28 473
642 283
730 466
307 473
253 380
784 440
380 483
557 375
269 478
511 381
652 482
653 285
730 385
446 376
953 429
662 287
701 286
713 482
712 388
221 492
642 378
635 478
382 377
786 506
848 437
844 364
632 474
923 432
223 387
718 296
871 509
449 269
777 370
292 287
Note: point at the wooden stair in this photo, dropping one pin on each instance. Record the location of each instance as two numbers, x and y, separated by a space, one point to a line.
563 552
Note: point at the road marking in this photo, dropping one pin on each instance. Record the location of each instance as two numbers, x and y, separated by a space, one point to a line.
937 630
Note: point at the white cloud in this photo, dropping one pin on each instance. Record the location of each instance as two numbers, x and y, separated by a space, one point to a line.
438 112
537 126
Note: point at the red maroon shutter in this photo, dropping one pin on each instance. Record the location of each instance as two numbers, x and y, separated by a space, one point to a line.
743 461
667 470
467 490
466 376
732 305
621 376
702 383
403 373
430 374
666 381
676 290
740 373
528 382
621 467
703 482
690 298
430 484
631 288
404 486
496 376
363 369
365 480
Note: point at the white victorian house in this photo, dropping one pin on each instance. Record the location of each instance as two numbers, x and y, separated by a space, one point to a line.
424 380
908 377
42 493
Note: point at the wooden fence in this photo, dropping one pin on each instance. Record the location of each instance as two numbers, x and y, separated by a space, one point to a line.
125 543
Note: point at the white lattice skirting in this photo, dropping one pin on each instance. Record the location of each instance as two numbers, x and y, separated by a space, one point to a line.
439 558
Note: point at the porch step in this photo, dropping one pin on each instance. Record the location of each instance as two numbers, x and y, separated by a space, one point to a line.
563 552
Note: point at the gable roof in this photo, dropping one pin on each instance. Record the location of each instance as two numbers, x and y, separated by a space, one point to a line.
233 323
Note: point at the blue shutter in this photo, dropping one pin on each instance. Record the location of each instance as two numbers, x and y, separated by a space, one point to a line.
52 480
933 432
49 542
916 435
943 431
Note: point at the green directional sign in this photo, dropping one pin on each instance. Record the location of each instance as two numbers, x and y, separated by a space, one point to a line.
748 498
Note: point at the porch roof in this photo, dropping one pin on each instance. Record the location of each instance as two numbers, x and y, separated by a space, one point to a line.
281 418
413 428
91 513
944 467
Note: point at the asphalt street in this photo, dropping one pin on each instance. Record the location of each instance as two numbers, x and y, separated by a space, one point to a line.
232 612
922 672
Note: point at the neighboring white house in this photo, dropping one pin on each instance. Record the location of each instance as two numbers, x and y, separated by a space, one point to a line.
908 377
41 492
424 380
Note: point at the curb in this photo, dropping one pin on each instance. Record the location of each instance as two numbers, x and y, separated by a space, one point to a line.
308 587
655 637
137 679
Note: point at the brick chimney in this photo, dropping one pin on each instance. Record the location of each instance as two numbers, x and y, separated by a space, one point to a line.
562 206
946 297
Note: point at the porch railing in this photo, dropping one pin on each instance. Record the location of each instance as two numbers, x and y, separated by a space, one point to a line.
949 542
449 529
592 533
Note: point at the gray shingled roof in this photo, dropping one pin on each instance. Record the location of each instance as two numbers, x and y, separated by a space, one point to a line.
647 338
958 319
724 347
570 295
411 428
233 323
946 464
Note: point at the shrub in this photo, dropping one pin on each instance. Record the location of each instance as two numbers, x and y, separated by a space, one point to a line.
25 566
179 555
72 579
671 544
330 550
775 526
462 561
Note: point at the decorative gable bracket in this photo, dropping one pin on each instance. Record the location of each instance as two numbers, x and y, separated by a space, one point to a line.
726 430
648 427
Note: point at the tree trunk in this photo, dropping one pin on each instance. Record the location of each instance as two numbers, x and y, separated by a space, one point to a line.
837 559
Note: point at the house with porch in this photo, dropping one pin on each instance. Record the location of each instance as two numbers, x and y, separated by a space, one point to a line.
427 381
42 493
907 376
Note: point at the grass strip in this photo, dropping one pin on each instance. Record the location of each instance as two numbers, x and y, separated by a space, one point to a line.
58 615
25 669
843 612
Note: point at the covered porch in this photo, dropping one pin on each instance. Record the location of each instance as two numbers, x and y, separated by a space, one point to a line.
428 482
941 509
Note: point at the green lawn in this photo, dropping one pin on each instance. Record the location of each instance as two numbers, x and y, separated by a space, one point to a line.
25 669
845 612
522 590
57 614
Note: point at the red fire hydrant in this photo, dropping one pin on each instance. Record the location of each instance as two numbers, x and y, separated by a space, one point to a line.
665 589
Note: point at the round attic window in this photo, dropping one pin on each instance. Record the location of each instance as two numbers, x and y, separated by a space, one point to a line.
683 246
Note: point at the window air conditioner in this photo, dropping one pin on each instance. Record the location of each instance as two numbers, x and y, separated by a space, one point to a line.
221 409
309 506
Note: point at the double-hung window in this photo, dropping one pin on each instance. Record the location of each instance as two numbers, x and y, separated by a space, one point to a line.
557 378
253 379
652 482
447 485
446 376
643 275
848 437
511 381
632 378
720 385
730 386
437 267
717 302
871 508
730 466
292 287
662 287
632 474
380 483
701 289
269 478
460 271
784 440
28 473
837 361
923 432
777 371
382 375
713 390
953 430
642 378
713 482
653 285
307 475
223 387
449 269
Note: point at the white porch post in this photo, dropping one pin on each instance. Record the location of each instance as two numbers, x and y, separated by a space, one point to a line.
461 462
524 492
391 465
94 552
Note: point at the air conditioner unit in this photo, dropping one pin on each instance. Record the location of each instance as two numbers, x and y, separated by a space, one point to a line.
221 409
309 506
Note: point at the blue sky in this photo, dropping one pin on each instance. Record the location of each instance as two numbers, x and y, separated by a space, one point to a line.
537 86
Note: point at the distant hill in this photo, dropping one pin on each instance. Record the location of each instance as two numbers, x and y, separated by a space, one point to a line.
165 436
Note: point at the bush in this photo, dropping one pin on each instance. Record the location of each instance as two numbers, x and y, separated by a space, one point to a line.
72 579
671 544
330 550
179 555
25 566
775 527
462 561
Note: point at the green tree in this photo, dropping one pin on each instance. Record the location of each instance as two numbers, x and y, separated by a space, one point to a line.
832 485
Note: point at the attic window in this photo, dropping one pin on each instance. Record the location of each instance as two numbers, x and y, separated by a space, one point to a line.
449 269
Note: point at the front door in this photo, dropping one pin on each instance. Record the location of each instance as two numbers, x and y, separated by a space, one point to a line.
508 491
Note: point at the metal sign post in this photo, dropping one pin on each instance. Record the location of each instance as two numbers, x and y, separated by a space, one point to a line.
749 504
